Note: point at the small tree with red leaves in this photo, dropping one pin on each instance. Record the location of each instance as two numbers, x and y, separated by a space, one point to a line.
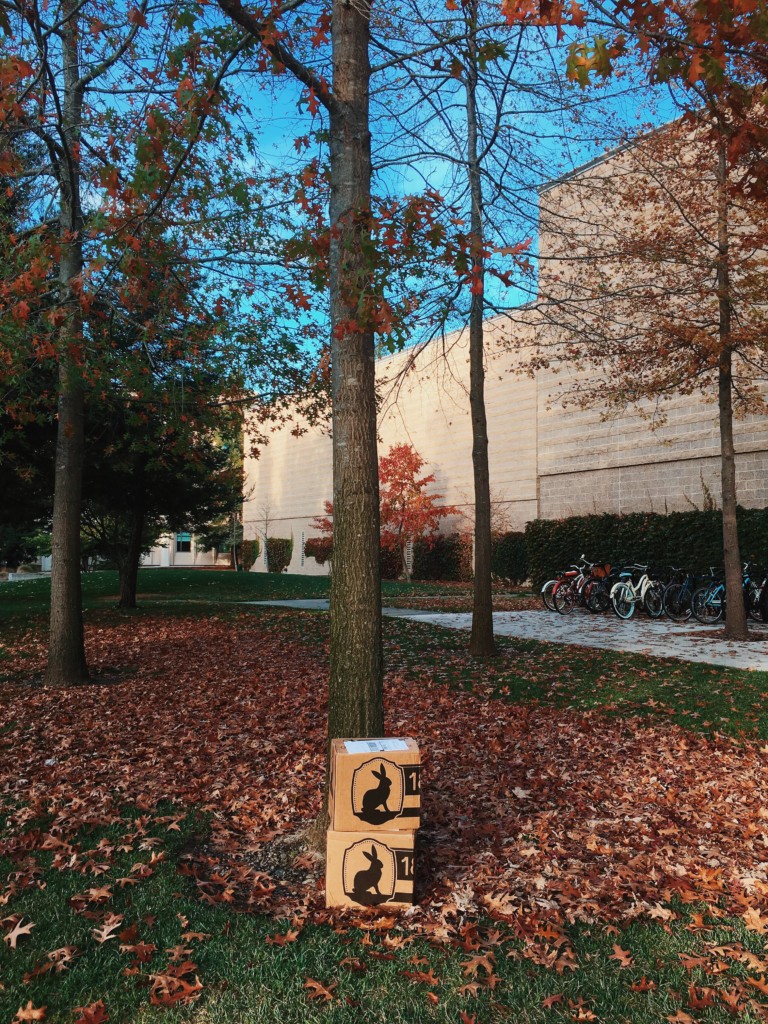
408 510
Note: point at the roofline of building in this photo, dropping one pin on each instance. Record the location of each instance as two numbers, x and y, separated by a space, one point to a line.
607 155
594 162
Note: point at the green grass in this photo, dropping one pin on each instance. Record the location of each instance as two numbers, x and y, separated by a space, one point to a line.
706 698
159 588
702 697
248 979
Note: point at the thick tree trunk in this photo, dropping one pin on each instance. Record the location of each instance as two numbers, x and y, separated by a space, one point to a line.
66 651
355 700
481 643
735 612
356 696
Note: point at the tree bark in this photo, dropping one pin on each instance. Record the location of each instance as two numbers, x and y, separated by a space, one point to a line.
355 699
481 643
735 611
129 565
66 651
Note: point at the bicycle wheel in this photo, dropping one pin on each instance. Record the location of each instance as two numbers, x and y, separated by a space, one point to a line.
707 604
677 602
752 601
546 594
564 598
598 599
623 600
653 600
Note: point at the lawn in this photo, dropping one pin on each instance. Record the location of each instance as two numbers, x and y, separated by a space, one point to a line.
594 840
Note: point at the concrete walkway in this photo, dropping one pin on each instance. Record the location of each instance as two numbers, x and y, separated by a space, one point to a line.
656 638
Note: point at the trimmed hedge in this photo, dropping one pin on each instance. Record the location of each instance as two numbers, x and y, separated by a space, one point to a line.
249 552
319 548
509 557
689 539
279 553
390 564
444 557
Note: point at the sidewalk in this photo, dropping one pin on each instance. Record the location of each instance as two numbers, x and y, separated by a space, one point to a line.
655 638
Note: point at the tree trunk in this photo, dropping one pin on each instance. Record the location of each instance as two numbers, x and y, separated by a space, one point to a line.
404 561
129 568
481 643
66 651
355 700
129 564
735 611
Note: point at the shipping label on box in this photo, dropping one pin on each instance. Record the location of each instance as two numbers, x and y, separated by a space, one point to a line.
375 784
369 870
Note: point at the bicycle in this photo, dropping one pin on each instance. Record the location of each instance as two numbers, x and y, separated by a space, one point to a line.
567 590
626 594
678 595
708 603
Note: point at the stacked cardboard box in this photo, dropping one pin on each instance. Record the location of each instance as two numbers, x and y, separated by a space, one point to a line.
374 807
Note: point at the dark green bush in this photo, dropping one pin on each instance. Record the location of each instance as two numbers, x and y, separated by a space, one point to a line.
509 558
443 557
390 564
689 539
249 552
321 549
279 553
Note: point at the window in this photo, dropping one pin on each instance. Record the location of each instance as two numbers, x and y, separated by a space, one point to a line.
302 547
183 542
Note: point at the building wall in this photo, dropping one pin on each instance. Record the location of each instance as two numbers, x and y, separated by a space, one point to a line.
547 459
424 402
593 461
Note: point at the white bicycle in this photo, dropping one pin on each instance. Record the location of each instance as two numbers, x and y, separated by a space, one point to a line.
626 594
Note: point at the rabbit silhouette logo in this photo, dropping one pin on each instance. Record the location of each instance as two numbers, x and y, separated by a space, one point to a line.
369 873
377 791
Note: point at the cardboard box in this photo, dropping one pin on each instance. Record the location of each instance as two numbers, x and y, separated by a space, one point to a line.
369 869
375 785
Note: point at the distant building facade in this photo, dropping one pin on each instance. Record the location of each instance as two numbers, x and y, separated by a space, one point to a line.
179 550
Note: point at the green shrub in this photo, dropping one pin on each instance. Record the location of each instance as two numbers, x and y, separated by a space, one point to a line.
443 557
249 552
390 564
509 557
692 540
279 553
319 548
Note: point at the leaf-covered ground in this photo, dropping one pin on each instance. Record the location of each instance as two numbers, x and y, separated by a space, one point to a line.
581 857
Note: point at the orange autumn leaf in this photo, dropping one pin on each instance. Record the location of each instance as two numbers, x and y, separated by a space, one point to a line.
30 1012
316 990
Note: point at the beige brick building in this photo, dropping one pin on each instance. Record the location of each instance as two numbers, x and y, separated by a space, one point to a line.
547 460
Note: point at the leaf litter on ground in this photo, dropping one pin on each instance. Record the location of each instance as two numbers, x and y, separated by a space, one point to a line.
536 817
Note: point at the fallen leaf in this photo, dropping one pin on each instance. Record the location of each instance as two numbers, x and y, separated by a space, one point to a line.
622 956
30 1012
13 937
316 990
96 1013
